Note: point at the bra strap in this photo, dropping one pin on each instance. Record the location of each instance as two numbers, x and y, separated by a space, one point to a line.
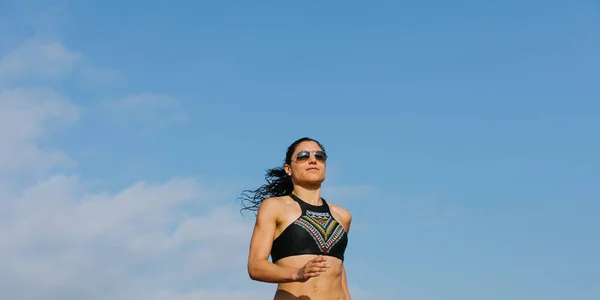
304 206
300 202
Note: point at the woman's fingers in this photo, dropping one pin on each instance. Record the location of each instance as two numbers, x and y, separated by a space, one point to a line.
315 267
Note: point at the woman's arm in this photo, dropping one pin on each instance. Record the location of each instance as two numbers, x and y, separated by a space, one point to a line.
259 267
346 218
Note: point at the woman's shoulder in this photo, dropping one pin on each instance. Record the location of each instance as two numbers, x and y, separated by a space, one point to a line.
341 211
275 208
276 204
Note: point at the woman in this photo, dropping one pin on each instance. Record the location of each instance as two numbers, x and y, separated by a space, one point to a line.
305 235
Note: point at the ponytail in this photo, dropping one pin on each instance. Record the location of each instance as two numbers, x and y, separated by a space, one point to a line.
279 183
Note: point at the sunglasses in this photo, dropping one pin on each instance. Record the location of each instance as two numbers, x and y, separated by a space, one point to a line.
303 156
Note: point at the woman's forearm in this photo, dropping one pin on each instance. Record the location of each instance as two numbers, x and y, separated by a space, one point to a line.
266 271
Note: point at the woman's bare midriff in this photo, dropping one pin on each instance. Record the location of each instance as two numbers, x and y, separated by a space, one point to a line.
327 286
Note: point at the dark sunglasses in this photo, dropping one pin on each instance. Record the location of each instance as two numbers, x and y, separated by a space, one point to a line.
303 156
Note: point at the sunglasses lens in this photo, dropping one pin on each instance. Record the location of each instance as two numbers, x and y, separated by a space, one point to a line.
302 156
320 155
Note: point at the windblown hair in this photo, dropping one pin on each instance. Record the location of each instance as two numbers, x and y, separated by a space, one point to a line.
278 183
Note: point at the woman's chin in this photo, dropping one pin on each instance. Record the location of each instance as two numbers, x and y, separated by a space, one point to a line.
312 182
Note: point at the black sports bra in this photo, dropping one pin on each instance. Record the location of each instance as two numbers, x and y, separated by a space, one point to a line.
314 232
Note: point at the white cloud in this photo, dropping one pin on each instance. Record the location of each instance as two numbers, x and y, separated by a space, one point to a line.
39 58
49 59
209 294
25 114
64 244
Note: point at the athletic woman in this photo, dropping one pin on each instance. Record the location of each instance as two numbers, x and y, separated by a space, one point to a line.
304 235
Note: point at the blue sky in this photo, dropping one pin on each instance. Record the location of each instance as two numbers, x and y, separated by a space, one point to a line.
462 136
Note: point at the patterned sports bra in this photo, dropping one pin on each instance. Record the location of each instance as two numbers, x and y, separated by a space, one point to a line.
314 232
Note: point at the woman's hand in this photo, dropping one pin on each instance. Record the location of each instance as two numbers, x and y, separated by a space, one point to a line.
313 268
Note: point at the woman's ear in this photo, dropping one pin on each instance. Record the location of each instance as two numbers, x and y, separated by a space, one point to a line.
288 169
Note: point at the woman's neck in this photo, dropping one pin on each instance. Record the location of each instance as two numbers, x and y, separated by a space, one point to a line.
309 195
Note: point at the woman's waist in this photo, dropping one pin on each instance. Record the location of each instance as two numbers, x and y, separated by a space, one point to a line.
324 289
326 284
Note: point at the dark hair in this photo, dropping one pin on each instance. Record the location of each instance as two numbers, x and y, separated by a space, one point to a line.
279 183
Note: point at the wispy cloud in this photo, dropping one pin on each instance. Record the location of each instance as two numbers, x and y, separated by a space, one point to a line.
25 116
47 59
38 58
59 241
65 243
150 111
100 76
